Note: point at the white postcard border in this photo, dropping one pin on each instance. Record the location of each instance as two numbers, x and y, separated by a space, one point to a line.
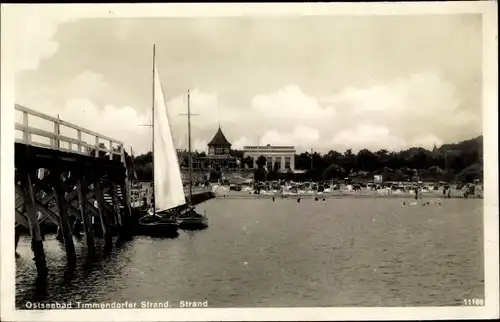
488 9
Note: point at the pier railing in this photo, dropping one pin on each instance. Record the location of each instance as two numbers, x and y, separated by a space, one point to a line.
74 145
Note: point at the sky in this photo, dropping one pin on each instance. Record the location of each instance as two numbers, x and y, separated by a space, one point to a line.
315 82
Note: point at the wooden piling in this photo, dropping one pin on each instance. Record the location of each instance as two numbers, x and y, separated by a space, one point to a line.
64 226
59 234
81 188
36 238
106 233
17 232
127 212
116 210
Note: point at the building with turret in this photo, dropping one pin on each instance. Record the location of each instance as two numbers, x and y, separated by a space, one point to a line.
219 154
219 144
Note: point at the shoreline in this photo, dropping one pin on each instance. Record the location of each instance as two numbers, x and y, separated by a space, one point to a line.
231 194
340 196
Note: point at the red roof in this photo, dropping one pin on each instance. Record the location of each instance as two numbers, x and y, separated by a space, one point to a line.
219 139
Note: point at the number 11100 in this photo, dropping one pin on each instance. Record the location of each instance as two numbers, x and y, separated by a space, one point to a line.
474 302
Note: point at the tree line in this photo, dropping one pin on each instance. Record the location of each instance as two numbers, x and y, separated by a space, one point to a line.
462 161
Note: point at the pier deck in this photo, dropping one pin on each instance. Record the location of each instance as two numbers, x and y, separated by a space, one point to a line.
70 182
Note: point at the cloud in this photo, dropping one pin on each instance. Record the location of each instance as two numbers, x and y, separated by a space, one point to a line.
290 106
427 141
123 123
364 136
204 113
418 110
205 118
241 142
200 145
35 30
253 98
300 136
411 106
85 84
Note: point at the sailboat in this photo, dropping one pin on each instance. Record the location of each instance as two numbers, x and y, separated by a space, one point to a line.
190 219
168 198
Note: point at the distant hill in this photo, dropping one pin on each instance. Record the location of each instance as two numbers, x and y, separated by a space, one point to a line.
475 144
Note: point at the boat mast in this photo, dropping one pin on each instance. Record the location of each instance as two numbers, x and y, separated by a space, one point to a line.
190 159
131 174
189 148
153 136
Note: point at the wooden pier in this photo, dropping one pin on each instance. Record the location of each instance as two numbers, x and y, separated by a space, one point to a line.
74 183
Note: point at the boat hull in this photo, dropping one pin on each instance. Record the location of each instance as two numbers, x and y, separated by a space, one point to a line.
193 223
189 219
158 226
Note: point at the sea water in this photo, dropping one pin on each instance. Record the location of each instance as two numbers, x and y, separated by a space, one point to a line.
260 253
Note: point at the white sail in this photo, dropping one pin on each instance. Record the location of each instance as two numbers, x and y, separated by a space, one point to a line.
168 189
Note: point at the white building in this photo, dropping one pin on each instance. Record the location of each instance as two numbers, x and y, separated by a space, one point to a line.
283 155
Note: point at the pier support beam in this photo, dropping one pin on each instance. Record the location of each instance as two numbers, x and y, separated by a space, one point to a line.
81 187
106 233
36 237
59 234
116 211
64 226
127 212
17 233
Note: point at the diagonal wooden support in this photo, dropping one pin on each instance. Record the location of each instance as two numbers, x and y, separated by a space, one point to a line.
62 207
36 235
19 197
121 229
47 212
48 197
127 212
17 235
116 204
22 219
124 185
46 200
73 210
41 186
87 223
93 209
40 207
106 233
72 195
